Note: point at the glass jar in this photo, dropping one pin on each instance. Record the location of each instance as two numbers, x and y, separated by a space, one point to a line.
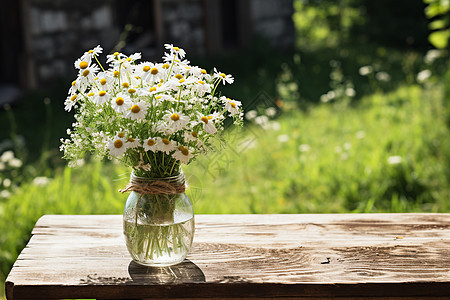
158 221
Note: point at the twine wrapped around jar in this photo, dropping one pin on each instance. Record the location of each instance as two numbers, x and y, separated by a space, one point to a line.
156 186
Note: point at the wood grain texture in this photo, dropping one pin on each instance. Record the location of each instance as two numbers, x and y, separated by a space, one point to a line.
310 256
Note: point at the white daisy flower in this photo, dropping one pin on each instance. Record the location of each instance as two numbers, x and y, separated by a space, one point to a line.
149 72
226 78
201 87
86 77
183 154
164 145
150 145
137 111
175 50
101 97
133 143
121 103
75 86
176 120
115 57
117 147
190 136
105 81
208 124
70 102
232 106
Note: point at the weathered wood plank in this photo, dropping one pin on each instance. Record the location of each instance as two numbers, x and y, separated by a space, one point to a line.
339 255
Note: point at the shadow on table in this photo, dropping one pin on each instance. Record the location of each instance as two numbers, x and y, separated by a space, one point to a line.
185 272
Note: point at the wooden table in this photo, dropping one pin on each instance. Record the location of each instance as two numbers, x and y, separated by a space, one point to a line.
312 256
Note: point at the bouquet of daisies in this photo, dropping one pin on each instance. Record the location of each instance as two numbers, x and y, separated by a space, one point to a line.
153 117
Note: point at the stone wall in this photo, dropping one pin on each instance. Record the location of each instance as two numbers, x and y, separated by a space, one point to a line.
56 32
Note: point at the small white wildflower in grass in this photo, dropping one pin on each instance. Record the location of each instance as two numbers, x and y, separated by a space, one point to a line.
422 76
15 163
41 181
365 70
350 92
271 112
5 194
7 182
208 124
304 148
347 146
251 114
337 149
283 138
275 126
383 76
360 134
394 160
7 156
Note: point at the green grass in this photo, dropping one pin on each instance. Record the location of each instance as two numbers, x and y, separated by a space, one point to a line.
331 158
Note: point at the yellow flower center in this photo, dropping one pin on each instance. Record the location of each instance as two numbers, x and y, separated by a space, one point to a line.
194 134
209 117
118 144
91 51
158 97
137 77
152 89
146 68
120 101
222 75
121 135
103 81
126 85
205 119
203 71
102 93
73 83
176 48
166 141
128 59
151 142
178 76
165 66
185 152
181 80
233 105
116 53
131 91
135 109
201 82
154 71
73 97
116 73
175 117
131 140
85 73
91 94
83 65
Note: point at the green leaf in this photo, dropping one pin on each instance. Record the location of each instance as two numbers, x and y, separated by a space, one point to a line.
439 39
438 24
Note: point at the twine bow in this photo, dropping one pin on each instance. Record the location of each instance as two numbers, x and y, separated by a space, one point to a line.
157 187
